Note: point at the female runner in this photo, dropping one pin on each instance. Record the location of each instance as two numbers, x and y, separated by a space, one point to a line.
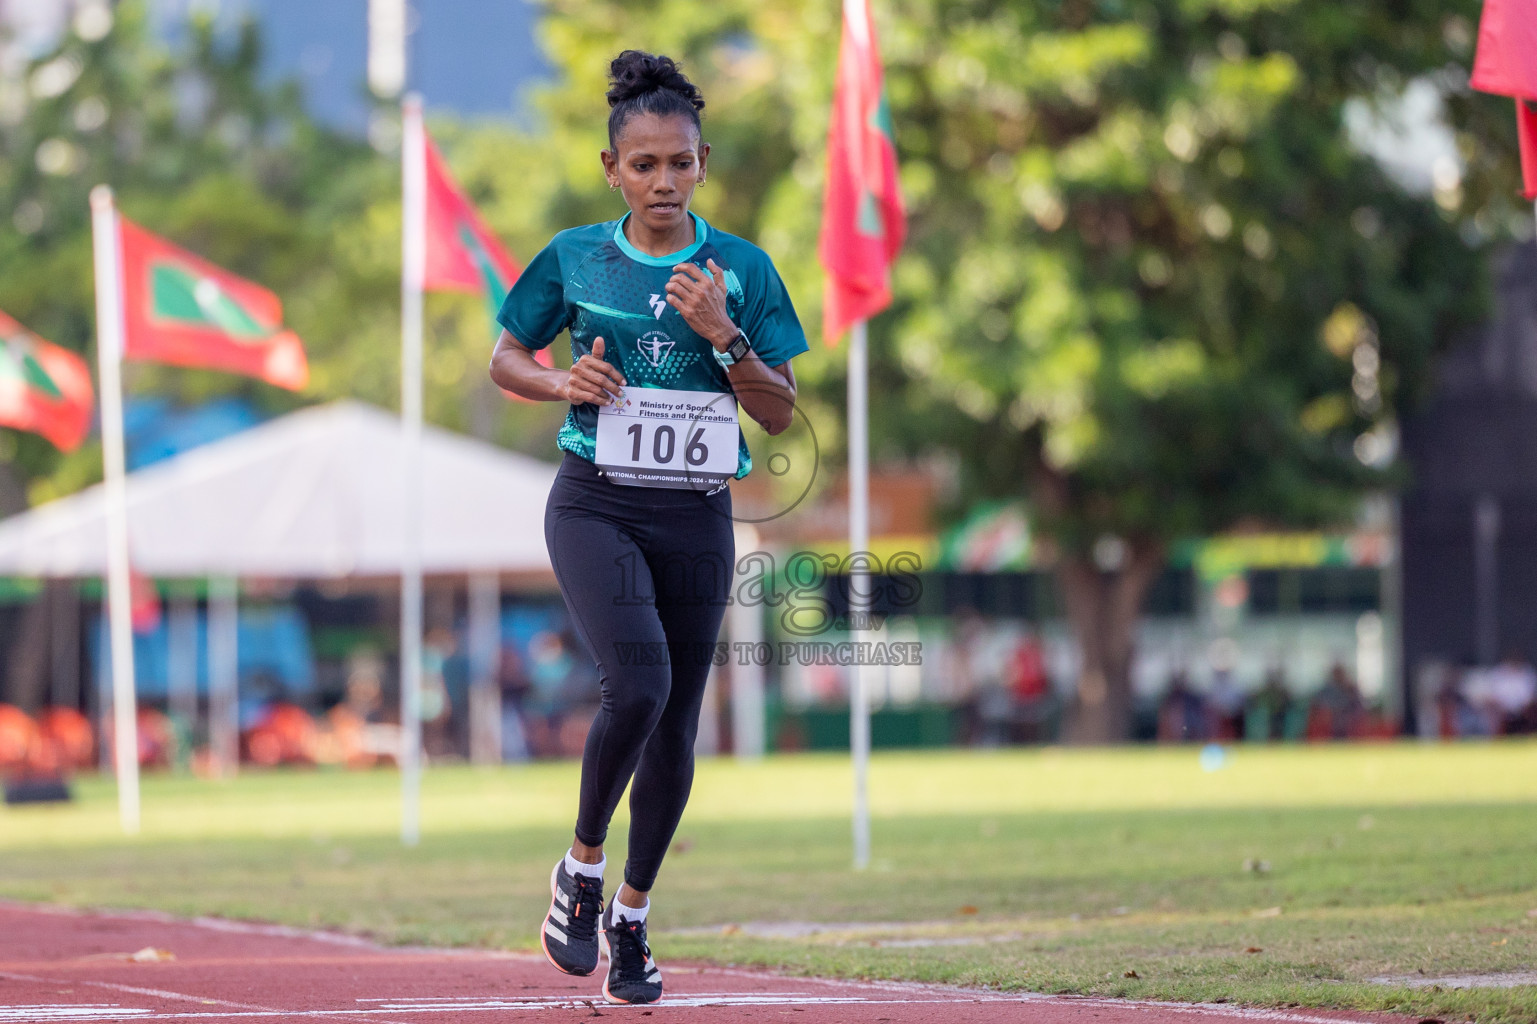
673 323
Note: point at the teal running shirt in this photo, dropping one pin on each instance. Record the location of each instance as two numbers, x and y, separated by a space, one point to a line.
592 282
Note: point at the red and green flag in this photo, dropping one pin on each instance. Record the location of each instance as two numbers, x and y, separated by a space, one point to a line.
44 388
1506 65
462 255
178 308
863 218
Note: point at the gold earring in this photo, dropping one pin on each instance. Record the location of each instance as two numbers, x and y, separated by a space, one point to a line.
701 183
612 187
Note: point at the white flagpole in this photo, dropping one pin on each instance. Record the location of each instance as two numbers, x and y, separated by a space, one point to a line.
107 253
859 587
413 268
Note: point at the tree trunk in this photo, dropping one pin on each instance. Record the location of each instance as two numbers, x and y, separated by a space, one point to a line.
1103 604
1103 608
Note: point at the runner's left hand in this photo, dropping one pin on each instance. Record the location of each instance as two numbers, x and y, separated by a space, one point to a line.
700 295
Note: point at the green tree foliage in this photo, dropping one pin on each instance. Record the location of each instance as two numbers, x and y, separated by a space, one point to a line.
1150 281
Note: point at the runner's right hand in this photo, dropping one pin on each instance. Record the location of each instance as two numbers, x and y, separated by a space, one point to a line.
592 379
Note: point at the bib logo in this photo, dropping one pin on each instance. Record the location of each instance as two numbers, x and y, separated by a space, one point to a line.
658 305
655 346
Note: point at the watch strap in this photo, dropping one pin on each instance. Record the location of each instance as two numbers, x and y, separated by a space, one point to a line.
736 351
740 346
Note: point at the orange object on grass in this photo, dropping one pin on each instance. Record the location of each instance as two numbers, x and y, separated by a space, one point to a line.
69 734
285 735
19 739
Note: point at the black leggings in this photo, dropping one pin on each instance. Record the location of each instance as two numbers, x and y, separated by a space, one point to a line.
646 573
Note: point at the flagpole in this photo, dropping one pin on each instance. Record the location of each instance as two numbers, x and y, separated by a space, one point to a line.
413 265
859 590
109 356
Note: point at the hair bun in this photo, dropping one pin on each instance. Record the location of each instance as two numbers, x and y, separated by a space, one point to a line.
634 74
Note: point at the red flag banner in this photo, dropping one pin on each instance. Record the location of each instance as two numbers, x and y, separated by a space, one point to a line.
1506 65
1506 62
178 308
462 255
44 388
1526 134
863 218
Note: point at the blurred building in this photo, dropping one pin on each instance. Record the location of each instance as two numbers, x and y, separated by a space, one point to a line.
473 58
1469 518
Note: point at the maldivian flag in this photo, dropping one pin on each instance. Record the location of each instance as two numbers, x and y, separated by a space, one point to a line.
1506 65
44 389
863 219
462 255
179 308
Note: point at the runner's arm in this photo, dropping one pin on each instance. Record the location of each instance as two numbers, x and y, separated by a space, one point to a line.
766 393
513 368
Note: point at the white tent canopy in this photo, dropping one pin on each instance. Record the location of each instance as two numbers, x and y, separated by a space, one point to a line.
315 494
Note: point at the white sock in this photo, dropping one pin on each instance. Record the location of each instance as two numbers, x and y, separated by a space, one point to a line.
636 914
576 867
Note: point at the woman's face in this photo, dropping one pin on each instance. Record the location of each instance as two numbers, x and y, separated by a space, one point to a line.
657 163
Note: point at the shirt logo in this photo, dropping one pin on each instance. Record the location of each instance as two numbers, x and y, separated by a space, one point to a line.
655 346
658 305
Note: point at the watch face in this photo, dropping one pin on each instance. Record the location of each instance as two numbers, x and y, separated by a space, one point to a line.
738 348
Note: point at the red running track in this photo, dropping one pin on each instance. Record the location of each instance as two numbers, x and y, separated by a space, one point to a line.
61 965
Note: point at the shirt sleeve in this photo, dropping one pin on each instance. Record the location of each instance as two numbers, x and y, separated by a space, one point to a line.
768 317
534 311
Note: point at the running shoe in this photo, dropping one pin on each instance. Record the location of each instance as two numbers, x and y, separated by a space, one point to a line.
633 976
570 933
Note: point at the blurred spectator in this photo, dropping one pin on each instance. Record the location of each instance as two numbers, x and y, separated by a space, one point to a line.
456 682
550 668
995 714
1337 711
1508 694
1224 705
513 681
437 712
1268 707
1455 713
1034 702
1182 716
958 674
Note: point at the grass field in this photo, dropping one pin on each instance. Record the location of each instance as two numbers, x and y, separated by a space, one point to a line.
1286 875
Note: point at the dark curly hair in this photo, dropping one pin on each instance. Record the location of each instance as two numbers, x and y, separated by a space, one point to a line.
646 83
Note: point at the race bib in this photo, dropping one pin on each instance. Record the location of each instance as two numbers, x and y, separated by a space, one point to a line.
654 437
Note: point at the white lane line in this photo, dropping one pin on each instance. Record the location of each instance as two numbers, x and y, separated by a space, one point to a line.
82 1011
275 931
157 993
248 1009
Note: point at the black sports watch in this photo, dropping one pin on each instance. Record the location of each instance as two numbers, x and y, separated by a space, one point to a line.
736 351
